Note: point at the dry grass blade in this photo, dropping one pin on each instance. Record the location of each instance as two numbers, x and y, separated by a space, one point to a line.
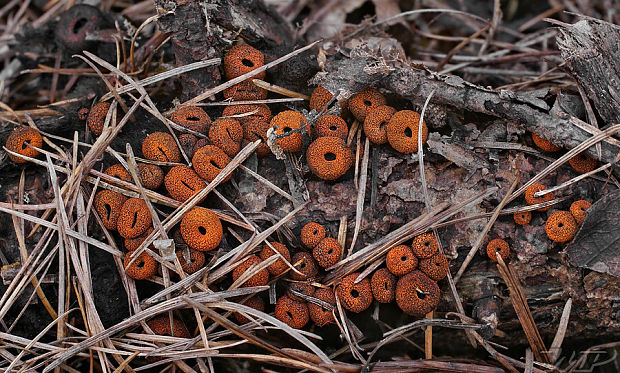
554 350
519 302
361 195
572 181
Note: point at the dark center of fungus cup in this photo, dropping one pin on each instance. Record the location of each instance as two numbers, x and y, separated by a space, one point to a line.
408 132
187 186
420 294
202 230
367 103
79 25
333 128
404 258
560 225
247 62
25 144
163 152
355 293
192 118
135 219
108 210
289 314
140 264
330 251
330 157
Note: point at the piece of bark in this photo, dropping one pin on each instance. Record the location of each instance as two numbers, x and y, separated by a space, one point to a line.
592 54
417 83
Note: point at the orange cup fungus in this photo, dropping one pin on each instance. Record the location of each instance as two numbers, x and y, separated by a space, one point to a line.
201 229
376 122
227 135
417 294
383 285
142 268
331 125
292 313
254 302
96 117
194 261
151 176
364 102
304 263
543 144
160 325
402 131
259 279
182 183
118 171
498 246
400 260
257 130
279 266
424 246
522 217
299 287
193 118
311 234
18 140
134 219
242 59
132 244
531 200
108 205
436 267
561 226
327 252
319 314
578 209
329 157
160 146
319 98
245 91
288 126
260 112
209 161
354 297
582 163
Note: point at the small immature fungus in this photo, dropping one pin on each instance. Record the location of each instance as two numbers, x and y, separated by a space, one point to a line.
83 113
227 135
201 229
578 209
75 24
132 244
561 226
151 176
299 287
311 234
134 219
279 266
383 285
498 246
376 123
292 313
531 200
402 131
245 91
108 205
436 267
319 98
329 157
142 268
160 146
182 183
118 171
188 143
417 294
18 141
160 325
96 117
582 163
304 263
522 217
193 118
400 260
248 113
364 102
209 161
424 246
327 252
191 260
255 302
354 297
544 145
331 125
242 59
258 131
320 315
260 278
288 126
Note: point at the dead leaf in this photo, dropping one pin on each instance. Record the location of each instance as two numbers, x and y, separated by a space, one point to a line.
597 245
